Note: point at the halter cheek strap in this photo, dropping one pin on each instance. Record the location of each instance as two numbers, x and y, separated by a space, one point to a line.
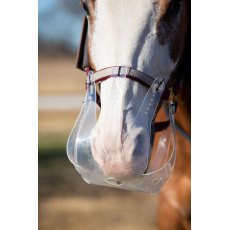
82 55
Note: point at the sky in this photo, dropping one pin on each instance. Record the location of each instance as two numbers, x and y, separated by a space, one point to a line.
59 21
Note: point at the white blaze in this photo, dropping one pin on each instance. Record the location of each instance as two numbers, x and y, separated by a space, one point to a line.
125 33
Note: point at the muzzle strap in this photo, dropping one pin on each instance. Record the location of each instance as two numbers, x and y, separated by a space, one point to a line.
132 74
125 71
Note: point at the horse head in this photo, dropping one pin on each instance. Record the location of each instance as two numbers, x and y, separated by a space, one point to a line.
146 35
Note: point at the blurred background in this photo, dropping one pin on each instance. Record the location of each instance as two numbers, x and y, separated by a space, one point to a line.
65 201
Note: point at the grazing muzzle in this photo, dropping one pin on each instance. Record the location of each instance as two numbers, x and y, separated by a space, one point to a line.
133 171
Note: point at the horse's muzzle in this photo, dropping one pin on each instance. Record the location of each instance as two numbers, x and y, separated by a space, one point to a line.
133 173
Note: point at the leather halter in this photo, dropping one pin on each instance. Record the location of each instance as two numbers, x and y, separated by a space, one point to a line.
128 72
82 54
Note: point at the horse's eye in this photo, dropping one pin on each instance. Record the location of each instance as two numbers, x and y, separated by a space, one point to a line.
85 7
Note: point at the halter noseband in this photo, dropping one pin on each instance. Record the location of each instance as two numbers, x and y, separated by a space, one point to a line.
132 74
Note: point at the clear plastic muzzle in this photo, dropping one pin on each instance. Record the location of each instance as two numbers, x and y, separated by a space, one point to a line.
161 149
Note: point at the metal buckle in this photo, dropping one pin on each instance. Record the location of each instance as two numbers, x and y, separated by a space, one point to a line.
172 107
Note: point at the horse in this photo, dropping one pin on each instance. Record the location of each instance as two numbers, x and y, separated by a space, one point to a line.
152 36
